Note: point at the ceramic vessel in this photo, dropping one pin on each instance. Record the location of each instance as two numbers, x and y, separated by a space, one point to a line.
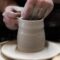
30 37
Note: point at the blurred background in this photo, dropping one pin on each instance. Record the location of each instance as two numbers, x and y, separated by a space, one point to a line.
52 23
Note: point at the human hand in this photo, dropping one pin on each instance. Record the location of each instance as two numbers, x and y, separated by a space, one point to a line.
10 16
37 9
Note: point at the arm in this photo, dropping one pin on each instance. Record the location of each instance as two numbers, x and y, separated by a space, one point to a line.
4 3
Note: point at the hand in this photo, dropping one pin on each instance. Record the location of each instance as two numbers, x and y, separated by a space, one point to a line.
10 16
37 9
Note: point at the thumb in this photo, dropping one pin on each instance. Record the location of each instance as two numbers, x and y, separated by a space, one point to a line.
17 13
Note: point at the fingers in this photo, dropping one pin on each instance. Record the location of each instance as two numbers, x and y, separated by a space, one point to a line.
10 23
45 7
9 20
36 9
27 11
11 14
50 5
42 9
13 11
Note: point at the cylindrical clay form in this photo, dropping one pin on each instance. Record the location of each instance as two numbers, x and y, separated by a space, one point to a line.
30 37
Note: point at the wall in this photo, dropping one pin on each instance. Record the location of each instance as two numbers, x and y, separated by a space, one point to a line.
56 1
